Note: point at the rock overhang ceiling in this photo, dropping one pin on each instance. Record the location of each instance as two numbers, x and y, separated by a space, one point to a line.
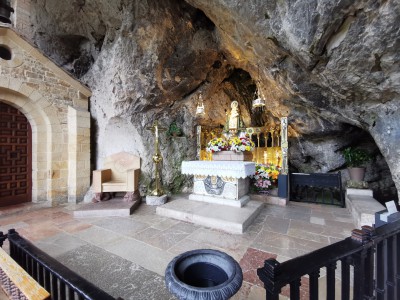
332 68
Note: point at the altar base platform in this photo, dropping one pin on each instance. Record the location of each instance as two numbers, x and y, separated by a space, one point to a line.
226 218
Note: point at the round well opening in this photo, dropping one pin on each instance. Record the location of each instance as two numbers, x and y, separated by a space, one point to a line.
203 274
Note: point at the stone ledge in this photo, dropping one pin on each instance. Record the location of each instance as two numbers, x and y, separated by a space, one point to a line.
362 206
222 201
359 192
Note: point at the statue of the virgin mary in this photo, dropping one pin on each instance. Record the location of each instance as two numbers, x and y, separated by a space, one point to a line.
234 121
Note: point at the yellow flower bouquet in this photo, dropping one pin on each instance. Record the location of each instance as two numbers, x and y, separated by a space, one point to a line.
265 178
217 144
241 144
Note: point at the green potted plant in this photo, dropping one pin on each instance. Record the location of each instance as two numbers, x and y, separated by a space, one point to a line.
174 130
355 158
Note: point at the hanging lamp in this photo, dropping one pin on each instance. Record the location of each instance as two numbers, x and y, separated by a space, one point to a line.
5 11
259 100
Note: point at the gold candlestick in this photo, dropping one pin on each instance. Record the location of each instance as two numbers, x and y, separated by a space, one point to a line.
157 159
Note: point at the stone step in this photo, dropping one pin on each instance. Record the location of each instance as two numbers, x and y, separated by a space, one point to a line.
116 207
226 218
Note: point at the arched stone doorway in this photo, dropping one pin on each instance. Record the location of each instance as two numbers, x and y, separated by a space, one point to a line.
56 107
15 156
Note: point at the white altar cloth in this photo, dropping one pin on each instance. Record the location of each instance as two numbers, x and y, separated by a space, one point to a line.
234 169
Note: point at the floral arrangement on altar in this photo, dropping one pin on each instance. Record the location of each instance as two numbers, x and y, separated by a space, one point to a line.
241 144
265 178
236 144
217 144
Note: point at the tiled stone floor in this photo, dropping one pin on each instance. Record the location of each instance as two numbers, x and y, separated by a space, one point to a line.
127 256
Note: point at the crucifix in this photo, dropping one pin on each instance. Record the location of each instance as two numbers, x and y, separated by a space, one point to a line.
157 159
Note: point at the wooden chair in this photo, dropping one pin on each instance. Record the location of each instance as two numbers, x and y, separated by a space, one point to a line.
120 174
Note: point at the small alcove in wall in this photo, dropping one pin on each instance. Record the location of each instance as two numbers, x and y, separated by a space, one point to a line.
5 52
323 153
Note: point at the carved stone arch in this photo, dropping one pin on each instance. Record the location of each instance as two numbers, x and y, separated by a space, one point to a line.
56 106
43 120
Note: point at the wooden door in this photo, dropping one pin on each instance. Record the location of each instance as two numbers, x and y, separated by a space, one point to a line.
15 156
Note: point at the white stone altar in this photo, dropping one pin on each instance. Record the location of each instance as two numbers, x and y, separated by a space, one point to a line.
220 182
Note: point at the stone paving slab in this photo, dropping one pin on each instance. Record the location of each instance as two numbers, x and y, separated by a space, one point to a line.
99 236
60 244
147 256
117 276
285 245
125 226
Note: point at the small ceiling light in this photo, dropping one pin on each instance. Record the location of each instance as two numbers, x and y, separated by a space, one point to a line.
258 101
200 110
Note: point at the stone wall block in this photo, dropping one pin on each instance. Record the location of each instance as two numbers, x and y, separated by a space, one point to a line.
15 84
25 89
35 96
59 165
4 81
73 148
81 165
82 156
85 148
81 103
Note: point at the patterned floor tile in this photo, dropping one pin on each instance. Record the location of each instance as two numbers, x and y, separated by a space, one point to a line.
252 260
285 245
275 224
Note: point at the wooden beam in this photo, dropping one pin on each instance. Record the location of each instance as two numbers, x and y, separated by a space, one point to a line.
13 277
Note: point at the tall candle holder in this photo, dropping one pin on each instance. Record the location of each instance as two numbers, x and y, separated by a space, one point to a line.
157 195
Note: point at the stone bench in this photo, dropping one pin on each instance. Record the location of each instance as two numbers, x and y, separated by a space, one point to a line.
363 206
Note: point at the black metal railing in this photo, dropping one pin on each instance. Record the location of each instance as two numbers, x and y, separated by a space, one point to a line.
370 257
317 188
61 282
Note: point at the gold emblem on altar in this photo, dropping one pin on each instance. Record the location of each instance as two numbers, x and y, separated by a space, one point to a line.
228 179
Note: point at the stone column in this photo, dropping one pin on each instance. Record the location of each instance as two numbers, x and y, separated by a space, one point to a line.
78 153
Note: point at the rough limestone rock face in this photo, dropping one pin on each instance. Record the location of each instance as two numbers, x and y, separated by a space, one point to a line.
332 67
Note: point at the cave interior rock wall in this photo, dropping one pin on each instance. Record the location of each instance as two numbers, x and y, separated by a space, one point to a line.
331 67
